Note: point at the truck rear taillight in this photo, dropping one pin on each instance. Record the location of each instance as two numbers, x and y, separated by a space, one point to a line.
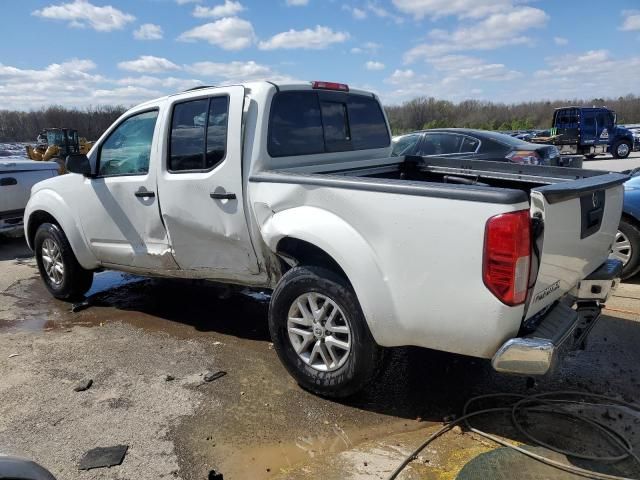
525 157
330 86
507 255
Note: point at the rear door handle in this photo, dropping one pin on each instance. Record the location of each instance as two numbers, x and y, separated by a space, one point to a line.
7 181
144 194
223 196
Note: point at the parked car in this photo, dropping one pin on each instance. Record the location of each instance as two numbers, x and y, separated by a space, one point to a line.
292 187
16 179
627 244
476 144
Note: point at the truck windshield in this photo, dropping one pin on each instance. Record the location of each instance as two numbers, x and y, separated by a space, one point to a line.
309 122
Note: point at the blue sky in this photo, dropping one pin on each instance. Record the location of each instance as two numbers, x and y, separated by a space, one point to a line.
91 52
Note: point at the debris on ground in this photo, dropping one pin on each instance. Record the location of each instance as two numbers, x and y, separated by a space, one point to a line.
213 475
211 376
83 385
78 307
169 378
13 355
103 457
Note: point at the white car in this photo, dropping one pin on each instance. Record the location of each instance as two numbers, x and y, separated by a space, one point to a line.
292 187
16 179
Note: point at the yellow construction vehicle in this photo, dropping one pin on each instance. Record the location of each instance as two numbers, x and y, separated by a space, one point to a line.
54 144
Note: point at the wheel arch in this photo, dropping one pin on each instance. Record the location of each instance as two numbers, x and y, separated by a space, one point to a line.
45 206
311 234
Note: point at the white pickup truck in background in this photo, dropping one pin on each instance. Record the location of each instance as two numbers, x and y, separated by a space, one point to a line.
16 179
291 186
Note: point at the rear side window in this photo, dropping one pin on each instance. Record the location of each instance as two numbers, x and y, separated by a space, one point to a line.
469 145
304 123
198 134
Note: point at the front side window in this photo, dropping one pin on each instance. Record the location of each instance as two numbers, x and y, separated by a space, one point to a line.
127 150
198 134
469 145
308 122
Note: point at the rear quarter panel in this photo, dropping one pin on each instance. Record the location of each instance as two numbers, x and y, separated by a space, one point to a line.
415 262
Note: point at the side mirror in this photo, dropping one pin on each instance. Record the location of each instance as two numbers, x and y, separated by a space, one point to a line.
79 163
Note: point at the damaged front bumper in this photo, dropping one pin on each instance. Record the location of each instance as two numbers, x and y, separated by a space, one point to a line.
566 324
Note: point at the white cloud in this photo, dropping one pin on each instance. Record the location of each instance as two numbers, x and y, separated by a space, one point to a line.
240 71
148 64
148 31
229 33
374 7
442 8
631 21
311 39
171 83
374 66
401 76
560 41
461 67
297 3
357 13
367 47
497 30
81 13
228 9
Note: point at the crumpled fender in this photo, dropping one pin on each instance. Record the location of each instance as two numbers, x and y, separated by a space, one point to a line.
348 248
49 201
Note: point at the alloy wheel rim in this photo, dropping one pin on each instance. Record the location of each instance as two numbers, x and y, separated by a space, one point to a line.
319 332
621 249
623 149
52 261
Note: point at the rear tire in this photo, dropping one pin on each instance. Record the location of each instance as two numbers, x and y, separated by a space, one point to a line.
63 276
296 332
590 156
626 247
621 149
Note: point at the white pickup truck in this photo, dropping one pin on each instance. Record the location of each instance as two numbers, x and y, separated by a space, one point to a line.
291 186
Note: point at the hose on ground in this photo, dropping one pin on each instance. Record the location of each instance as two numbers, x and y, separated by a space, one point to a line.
553 403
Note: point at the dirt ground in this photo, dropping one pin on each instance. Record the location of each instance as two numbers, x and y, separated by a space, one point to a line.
254 422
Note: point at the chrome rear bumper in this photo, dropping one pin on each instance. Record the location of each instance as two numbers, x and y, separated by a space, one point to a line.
535 353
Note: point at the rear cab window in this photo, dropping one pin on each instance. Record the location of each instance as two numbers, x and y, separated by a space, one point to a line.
311 122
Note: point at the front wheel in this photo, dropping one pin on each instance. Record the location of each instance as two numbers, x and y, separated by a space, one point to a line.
63 276
320 334
621 149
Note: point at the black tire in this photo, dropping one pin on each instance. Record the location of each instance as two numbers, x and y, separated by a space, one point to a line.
75 281
590 156
632 232
365 357
614 149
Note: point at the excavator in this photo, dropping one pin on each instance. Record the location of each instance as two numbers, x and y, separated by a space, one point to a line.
55 144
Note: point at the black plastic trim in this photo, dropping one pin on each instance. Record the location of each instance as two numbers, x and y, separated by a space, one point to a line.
560 192
422 189
11 214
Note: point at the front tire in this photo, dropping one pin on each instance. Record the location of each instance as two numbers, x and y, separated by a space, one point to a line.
63 276
320 334
621 149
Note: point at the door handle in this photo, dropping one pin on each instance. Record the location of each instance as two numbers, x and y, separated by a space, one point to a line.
223 196
7 181
144 194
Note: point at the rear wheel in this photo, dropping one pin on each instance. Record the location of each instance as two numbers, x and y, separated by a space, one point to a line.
626 248
621 149
63 276
320 333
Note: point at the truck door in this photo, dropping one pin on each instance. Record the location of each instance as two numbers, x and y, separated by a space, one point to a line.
588 128
118 207
604 126
200 186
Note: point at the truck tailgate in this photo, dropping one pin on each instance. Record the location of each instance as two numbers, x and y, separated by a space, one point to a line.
578 222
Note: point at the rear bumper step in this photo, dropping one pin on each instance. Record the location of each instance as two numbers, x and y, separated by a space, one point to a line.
535 353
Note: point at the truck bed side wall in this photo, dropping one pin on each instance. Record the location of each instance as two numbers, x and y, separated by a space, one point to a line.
415 262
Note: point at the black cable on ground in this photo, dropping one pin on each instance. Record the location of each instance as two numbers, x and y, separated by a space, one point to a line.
547 403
